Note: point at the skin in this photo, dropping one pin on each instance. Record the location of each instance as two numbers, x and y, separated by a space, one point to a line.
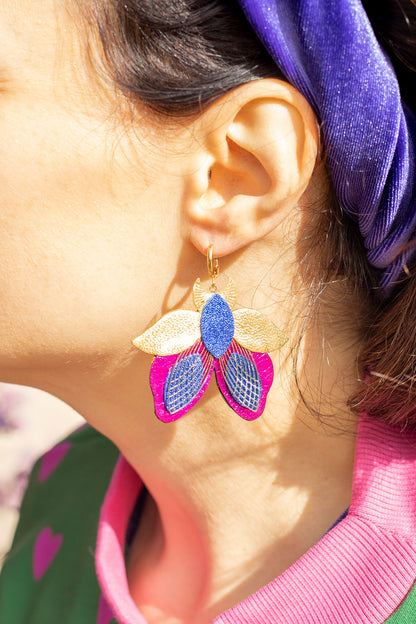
104 226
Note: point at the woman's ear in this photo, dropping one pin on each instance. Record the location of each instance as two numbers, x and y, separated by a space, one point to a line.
257 148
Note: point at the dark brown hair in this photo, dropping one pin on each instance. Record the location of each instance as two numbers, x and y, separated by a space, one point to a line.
177 56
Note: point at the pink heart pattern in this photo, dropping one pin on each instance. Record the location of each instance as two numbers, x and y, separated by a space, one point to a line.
51 460
105 615
45 550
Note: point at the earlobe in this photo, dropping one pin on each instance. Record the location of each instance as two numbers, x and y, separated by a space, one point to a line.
260 144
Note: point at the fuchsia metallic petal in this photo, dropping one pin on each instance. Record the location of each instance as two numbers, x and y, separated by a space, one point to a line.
244 378
179 381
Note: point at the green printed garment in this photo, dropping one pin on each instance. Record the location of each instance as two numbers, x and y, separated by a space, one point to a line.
49 575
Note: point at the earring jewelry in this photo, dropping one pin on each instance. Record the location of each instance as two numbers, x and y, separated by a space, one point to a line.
190 345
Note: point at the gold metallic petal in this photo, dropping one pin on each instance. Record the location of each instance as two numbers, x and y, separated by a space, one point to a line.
254 331
201 296
173 333
230 293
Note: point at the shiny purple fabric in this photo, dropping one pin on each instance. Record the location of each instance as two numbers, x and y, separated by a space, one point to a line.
328 51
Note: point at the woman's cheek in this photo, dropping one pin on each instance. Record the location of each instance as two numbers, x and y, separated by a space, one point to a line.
79 272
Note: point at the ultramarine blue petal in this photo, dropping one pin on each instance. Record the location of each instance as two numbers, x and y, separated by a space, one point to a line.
183 382
217 325
243 380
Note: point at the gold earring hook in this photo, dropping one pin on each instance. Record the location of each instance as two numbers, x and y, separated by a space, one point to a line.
213 265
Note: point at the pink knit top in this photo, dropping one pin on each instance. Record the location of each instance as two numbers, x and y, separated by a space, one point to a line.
358 573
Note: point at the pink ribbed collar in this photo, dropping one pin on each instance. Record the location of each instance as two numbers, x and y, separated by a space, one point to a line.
358 573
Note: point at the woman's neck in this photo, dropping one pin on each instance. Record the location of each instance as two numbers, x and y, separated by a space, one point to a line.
233 503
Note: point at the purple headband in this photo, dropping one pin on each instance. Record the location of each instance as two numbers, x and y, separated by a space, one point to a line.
327 49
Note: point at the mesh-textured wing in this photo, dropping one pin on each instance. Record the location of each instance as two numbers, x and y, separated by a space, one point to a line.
244 379
179 381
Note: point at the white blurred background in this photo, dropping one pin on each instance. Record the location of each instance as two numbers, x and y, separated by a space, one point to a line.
31 422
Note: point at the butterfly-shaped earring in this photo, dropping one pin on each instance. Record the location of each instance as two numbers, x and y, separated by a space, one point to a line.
189 345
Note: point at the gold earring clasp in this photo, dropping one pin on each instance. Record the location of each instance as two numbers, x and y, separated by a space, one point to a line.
213 265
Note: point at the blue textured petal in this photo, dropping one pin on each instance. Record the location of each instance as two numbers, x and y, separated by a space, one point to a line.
217 325
183 382
243 380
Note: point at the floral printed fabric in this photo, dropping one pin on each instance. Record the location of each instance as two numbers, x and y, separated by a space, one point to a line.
49 574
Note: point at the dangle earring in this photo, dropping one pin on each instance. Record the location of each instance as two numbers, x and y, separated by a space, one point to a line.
189 345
